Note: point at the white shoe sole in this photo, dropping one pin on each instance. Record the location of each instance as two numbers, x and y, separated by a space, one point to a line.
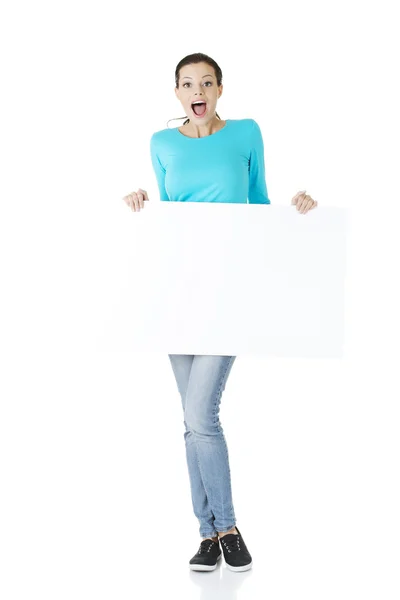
195 567
242 568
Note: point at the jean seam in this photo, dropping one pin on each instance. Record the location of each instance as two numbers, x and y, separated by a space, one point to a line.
219 393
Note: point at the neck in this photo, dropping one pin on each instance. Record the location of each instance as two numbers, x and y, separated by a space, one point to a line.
204 129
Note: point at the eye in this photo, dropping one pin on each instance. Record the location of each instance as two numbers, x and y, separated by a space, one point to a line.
187 83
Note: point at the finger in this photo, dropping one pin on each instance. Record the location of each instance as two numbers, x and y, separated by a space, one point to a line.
144 194
129 201
307 206
136 201
134 205
140 198
297 196
302 203
132 201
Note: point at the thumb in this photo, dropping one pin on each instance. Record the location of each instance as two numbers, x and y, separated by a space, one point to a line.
297 196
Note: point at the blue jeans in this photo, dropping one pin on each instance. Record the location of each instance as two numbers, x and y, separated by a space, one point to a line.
201 379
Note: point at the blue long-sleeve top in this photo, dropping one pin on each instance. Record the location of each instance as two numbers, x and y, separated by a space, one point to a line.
226 166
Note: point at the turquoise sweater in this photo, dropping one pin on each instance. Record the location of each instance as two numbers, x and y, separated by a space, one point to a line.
226 166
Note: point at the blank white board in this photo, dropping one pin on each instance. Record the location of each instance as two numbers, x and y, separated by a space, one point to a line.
230 279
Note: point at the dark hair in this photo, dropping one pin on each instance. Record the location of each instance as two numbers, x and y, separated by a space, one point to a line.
192 59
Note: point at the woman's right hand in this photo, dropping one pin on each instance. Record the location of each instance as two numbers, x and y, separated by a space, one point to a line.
136 199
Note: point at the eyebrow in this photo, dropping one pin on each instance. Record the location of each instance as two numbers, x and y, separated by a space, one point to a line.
187 77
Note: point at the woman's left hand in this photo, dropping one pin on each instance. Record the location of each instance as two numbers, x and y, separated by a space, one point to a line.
303 202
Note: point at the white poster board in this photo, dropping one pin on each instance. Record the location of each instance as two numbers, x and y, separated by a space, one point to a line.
231 279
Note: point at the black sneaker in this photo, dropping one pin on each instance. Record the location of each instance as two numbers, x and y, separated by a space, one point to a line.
236 555
206 557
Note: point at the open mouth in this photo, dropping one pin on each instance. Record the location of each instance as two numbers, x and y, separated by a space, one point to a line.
199 108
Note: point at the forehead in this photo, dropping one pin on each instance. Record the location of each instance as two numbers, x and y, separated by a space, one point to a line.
199 71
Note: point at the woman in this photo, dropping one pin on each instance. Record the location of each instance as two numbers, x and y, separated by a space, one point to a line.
209 160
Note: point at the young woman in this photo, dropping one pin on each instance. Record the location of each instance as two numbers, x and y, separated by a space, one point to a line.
208 160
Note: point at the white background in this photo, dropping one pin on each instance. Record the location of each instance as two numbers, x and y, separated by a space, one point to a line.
95 499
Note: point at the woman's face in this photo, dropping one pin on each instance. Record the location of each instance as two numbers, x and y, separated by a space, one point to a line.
198 82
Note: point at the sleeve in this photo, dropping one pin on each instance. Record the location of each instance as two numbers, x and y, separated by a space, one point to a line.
158 168
258 193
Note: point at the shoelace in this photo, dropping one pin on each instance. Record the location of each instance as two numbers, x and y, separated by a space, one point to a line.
205 546
232 545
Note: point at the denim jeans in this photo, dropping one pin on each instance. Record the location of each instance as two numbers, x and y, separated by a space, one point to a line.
201 379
